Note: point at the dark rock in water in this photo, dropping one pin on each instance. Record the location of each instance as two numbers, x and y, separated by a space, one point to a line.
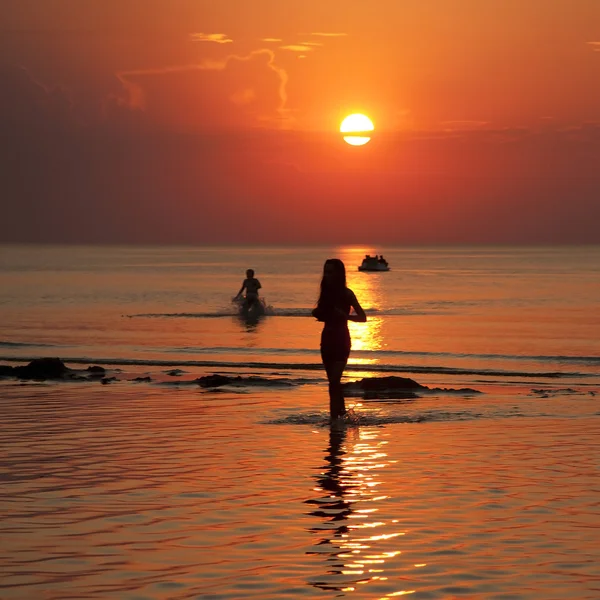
265 382
175 372
461 391
396 388
214 381
142 379
391 383
106 380
96 371
384 387
42 368
6 371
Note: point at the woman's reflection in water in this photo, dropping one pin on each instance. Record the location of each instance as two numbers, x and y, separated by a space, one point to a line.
334 507
355 540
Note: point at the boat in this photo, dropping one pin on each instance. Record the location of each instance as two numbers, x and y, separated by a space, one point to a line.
374 263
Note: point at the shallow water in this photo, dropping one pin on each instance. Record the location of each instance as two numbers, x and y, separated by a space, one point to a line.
165 490
138 491
439 312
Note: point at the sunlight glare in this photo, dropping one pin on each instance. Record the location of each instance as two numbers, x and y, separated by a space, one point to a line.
357 125
356 140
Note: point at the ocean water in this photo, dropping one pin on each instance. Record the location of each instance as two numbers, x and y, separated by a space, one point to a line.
444 315
161 489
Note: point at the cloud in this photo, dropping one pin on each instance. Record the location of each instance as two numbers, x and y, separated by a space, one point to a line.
326 34
302 48
217 38
272 40
238 91
27 104
297 48
36 110
66 181
588 133
463 125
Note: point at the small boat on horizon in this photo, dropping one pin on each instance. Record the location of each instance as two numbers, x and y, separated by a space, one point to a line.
374 263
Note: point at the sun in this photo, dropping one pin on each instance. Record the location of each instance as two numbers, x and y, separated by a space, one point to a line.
359 126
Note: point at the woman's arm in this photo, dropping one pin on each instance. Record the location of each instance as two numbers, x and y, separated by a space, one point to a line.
318 313
360 316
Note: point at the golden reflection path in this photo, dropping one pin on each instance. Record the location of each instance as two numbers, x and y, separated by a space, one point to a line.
354 541
367 287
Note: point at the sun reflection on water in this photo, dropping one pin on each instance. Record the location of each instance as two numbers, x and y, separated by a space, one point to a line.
367 287
354 541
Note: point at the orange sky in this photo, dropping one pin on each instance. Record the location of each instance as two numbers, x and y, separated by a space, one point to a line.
195 121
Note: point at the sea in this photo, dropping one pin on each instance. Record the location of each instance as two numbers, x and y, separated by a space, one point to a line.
147 484
441 314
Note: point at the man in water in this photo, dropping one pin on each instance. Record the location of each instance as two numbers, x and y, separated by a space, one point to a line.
251 285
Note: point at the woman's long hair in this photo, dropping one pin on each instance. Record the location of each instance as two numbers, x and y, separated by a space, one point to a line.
333 286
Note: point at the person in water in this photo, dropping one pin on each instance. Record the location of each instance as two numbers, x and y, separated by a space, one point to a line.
333 309
251 285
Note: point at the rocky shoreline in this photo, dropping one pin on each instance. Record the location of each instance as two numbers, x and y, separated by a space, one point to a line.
392 387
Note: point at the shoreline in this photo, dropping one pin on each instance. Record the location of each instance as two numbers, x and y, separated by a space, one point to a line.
295 401
382 399
316 366
55 369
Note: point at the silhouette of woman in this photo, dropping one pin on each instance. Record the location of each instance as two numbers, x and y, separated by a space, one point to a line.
333 309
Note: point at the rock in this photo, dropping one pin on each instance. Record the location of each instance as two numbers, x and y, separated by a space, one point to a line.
75 377
42 368
7 371
386 383
96 371
142 379
216 380
461 391
397 388
175 372
106 380
384 387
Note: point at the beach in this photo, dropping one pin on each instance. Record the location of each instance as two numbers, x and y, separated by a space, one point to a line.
150 478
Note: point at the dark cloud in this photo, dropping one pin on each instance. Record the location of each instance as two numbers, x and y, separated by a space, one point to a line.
237 92
120 178
29 105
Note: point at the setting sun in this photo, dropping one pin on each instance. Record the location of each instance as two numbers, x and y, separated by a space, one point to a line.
358 125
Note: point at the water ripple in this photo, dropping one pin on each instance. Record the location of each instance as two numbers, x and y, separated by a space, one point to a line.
162 494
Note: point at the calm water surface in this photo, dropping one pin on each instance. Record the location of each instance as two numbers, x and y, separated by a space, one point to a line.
164 490
500 310
131 491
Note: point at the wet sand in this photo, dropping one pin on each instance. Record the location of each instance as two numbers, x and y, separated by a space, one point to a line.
140 491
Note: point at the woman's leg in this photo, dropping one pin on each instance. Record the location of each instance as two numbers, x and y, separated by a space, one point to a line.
334 370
